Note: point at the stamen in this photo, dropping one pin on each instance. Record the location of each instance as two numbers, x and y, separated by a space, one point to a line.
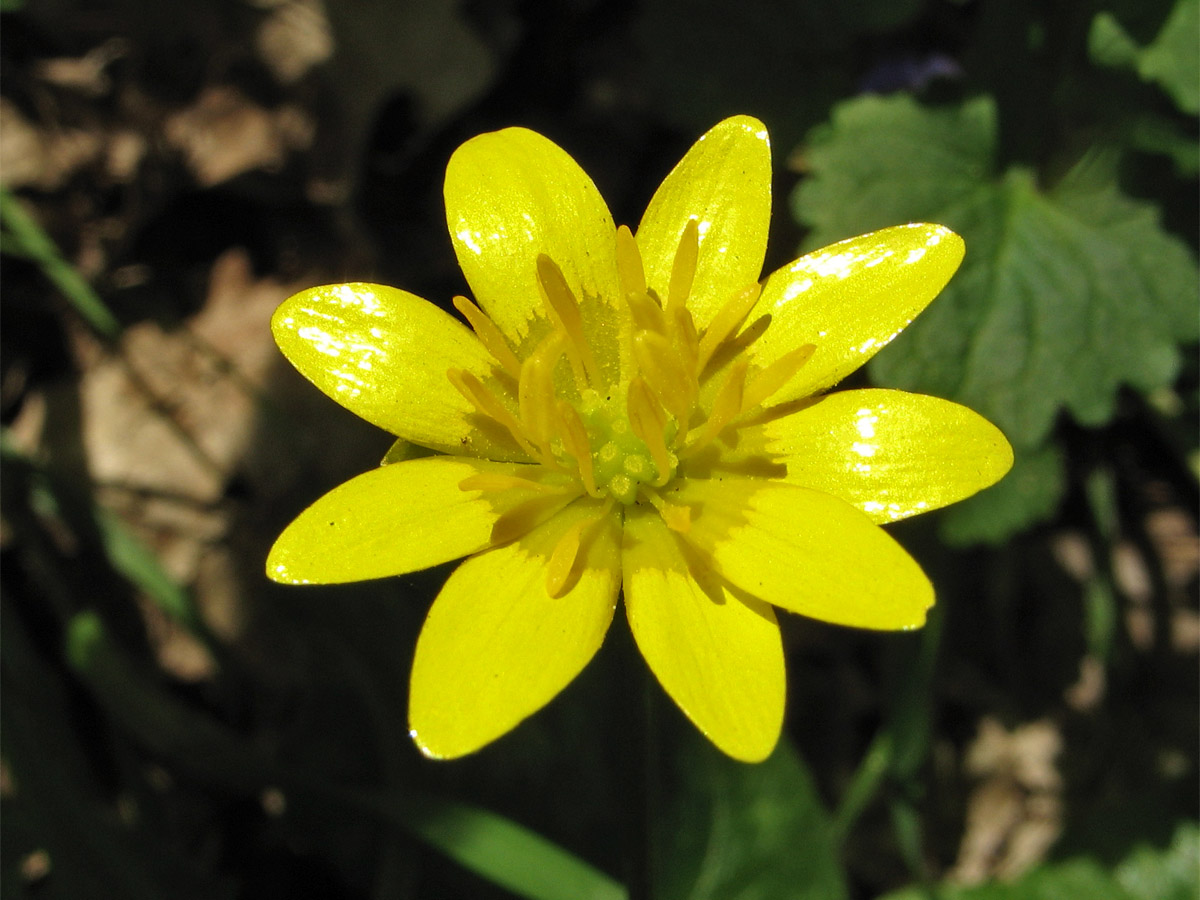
489 335
776 375
535 390
563 310
660 367
684 269
486 403
629 263
677 518
497 481
649 423
647 314
575 442
526 516
725 322
728 403
569 548
685 341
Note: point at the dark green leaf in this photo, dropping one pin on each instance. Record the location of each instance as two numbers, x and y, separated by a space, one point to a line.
746 832
1170 60
1063 295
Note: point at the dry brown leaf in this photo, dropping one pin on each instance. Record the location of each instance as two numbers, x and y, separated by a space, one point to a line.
294 38
225 134
1015 814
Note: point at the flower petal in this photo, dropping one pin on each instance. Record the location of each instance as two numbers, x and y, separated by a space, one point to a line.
724 182
850 299
496 647
512 195
383 354
891 454
398 518
805 551
720 657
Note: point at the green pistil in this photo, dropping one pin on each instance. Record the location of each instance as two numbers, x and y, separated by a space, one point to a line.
620 460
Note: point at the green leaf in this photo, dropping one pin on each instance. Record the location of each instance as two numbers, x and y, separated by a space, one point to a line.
1063 295
1171 874
1029 494
1170 60
28 240
1146 874
741 832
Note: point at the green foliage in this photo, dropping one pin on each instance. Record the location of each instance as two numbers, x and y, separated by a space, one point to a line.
1147 874
1066 293
1171 60
732 832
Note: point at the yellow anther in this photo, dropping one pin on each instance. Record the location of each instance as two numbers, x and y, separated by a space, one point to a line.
684 269
647 314
570 547
660 367
489 335
629 263
776 375
575 442
728 403
486 403
677 518
525 517
496 481
649 422
685 340
563 309
725 323
535 390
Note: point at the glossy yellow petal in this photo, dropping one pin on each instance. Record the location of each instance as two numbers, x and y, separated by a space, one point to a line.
890 453
399 518
850 299
805 551
512 195
496 647
724 183
383 354
719 657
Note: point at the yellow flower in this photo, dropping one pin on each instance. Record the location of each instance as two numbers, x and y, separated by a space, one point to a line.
637 416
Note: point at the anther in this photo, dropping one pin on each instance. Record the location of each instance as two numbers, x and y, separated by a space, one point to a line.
683 271
663 373
535 390
726 405
563 309
649 422
776 375
497 481
677 518
567 551
629 263
725 322
486 403
576 443
489 335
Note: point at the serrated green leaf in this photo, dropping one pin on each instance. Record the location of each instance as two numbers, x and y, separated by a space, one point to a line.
1063 296
1170 60
739 832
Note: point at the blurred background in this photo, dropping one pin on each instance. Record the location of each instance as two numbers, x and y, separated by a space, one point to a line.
174 726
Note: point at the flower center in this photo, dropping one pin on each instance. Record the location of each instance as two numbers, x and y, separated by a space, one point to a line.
624 441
